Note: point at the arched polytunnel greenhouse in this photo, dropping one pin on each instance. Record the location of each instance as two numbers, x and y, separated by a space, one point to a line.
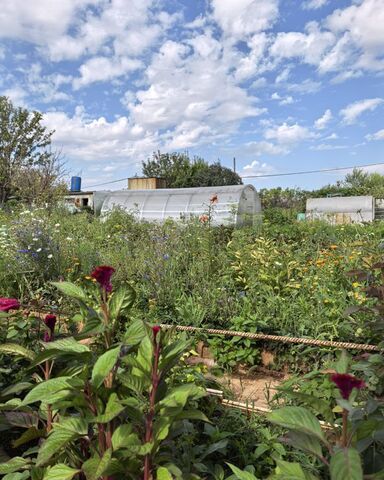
233 205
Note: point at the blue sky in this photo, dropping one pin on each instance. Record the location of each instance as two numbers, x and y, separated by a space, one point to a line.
280 85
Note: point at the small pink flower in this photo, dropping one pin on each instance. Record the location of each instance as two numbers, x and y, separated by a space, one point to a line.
346 383
156 329
50 322
7 304
102 275
203 218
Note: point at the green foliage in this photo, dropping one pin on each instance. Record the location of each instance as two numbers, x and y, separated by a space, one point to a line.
28 169
180 171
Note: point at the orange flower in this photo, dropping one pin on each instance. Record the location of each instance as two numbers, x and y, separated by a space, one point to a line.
214 199
203 218
333 247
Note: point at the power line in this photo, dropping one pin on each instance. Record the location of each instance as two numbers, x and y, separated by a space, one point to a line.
312 171
324 170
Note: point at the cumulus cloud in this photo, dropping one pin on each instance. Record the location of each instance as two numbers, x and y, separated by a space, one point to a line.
241 18
379 135
314 4
101 69
323 121
190 94
266 148
97 139
282 100
352 112
256 168
286 134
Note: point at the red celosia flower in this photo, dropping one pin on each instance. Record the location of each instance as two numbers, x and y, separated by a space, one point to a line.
102 275
7 304
50 322
346 383
156 329
214 199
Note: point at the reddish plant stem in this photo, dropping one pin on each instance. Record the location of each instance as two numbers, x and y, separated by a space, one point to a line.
47 374
344 434
151 413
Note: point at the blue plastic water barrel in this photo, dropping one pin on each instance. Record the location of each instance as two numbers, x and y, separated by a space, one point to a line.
75 184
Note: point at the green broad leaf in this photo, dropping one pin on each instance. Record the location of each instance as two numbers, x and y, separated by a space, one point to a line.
16 350
298 419
342 363
163 473
319 405
67 345
137 384
37 473
52 390
13 465
135 333
161 428
27 436
22 419
71 290
172 353
178 396
346 464
60 472
304 442
17 476
291 471
93 326
241 474
121 301
59 437
112 410
119 436
16 388
104 365
193 414
96 466
145 356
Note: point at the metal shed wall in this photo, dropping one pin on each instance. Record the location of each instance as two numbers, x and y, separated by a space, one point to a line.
237 204
338 210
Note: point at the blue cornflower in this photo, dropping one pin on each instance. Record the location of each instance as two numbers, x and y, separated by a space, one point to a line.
166 256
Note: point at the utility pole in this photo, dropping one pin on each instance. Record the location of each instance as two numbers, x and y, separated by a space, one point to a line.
234 164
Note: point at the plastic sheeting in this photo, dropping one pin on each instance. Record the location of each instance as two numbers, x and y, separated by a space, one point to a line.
236 205
340 210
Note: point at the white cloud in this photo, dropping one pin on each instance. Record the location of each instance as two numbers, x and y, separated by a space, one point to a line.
352 111
327 146
379 135
266 148
17 95
333 136
256 168
282 100
323 121
361 23
191 95
314 4
98 140
99 69
241 18
288 134
309 47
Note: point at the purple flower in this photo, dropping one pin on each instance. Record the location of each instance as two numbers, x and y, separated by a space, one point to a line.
102 275
7 304
346 383
50 322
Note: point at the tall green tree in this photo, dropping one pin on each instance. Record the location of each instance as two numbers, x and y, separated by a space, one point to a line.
179 170
24 152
